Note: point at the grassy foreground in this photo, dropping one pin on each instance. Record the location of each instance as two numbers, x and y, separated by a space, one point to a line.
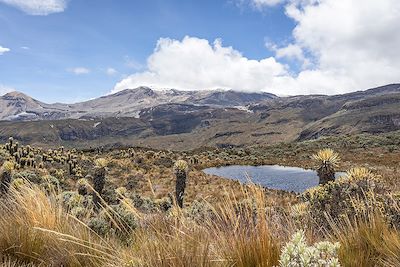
49 216
36 231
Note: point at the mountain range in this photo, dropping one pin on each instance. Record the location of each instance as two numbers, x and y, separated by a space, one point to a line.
16 106
190 119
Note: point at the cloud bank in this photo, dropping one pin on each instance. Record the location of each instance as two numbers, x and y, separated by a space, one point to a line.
38 7
194 63
343 46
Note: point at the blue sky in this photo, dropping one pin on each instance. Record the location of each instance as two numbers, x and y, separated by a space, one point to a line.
100 34
88 48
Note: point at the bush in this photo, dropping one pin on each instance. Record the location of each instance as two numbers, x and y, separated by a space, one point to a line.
143 204
116 220
125 219
164 204
50 183
72 200
357 192
30 176
99 225
199 211
296 253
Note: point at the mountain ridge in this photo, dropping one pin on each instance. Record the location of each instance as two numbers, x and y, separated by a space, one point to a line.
187 120
128 103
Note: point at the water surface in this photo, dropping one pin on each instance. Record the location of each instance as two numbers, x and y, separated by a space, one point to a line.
271 176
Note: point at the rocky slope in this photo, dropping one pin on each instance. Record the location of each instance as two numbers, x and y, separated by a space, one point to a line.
17 106
186 120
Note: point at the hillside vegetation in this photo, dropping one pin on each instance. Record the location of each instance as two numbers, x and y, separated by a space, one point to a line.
137 206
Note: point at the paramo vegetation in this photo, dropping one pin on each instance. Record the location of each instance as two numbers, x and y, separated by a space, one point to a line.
145 207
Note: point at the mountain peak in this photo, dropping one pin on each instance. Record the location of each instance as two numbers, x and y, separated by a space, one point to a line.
142 90
16 94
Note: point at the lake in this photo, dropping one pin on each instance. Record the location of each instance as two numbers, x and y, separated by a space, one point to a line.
271 176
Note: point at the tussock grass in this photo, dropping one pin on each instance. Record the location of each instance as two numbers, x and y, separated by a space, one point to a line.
366 239
35 229
233 233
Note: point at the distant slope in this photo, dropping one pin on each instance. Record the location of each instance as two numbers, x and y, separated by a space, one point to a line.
373 114
127 103
186 120
18 106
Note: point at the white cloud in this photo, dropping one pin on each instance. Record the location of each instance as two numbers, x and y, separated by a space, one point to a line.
258 4
4 50
290 52
344 46
38 7
5 89
79 70
353 44
25 47
111 71
263 3
194 63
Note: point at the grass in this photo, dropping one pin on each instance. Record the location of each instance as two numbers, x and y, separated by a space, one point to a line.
367 241
36 229
235 225
221 238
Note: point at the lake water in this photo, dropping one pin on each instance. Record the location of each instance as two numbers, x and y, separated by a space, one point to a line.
271 176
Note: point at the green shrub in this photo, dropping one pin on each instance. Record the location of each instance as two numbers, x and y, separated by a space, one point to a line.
30 176
199 211
49 183
99 225
144 204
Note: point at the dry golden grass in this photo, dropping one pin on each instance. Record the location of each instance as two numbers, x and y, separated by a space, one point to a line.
233 232
246 233
366 238
221 238
243 225
11 263
35 229
367 241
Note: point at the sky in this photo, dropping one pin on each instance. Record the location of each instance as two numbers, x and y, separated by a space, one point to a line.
74 50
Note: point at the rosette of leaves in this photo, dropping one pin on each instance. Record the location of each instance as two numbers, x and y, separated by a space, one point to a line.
82 186
18 183
327 160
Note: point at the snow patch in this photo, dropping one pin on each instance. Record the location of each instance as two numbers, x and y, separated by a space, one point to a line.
244 108
21 115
